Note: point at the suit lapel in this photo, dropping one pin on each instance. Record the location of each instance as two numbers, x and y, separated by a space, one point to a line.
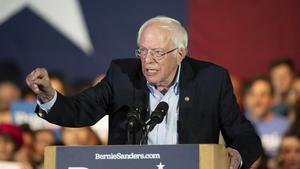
185 97
141 92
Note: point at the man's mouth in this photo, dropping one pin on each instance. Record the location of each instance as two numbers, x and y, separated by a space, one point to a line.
151 70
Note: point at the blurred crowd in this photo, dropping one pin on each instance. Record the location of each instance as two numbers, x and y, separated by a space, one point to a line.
271 102
19 143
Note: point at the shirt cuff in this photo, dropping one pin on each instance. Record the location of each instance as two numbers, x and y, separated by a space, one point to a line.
47 106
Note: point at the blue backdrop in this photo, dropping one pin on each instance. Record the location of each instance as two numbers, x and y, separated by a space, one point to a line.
31 42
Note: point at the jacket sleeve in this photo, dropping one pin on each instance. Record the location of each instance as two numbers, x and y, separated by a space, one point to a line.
84 109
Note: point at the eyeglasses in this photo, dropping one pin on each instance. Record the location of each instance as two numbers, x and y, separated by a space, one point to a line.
157 54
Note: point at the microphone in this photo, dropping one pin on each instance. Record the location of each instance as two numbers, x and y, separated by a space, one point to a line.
133 119
158 115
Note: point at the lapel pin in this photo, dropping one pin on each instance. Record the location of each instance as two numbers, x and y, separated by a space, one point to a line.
186 98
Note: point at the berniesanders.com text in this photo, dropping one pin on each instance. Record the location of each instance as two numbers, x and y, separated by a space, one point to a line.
123 156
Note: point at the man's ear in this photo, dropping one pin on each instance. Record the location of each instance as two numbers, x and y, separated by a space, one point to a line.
181 54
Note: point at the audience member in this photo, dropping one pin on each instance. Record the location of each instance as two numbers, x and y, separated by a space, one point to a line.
262 163
28 96
296 87
289 151
11 141
42 139
282 75
79 136
9 92
24 155
10 80
59 83
258 103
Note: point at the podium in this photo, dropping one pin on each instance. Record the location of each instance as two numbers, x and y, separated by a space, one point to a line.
182 156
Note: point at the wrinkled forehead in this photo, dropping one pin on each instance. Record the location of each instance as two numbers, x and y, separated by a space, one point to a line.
155 35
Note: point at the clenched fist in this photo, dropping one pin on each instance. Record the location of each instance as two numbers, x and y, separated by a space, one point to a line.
39 82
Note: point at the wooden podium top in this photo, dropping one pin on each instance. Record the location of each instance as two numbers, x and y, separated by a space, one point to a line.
182 156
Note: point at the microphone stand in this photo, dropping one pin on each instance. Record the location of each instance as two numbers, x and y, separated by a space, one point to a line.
144 138
131 135
134 126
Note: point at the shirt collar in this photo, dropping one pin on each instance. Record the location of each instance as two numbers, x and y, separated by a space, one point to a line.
174 87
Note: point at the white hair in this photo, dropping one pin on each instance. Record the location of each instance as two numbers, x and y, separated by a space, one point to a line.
178 32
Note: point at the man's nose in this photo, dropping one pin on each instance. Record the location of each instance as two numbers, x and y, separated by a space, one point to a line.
149 57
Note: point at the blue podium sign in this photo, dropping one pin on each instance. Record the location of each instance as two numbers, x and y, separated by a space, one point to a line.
128 157
183 156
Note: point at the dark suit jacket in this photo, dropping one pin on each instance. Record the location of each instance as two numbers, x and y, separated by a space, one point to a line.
206 106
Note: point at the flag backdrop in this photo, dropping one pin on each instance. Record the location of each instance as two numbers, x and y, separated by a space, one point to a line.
79 38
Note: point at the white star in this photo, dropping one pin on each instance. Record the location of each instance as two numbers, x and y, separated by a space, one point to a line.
160 166
64 15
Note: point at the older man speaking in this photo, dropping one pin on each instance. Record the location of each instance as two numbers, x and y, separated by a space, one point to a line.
199 95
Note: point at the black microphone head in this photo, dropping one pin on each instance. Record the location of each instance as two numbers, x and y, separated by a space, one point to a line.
158 115
134 112
134 119
160 111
